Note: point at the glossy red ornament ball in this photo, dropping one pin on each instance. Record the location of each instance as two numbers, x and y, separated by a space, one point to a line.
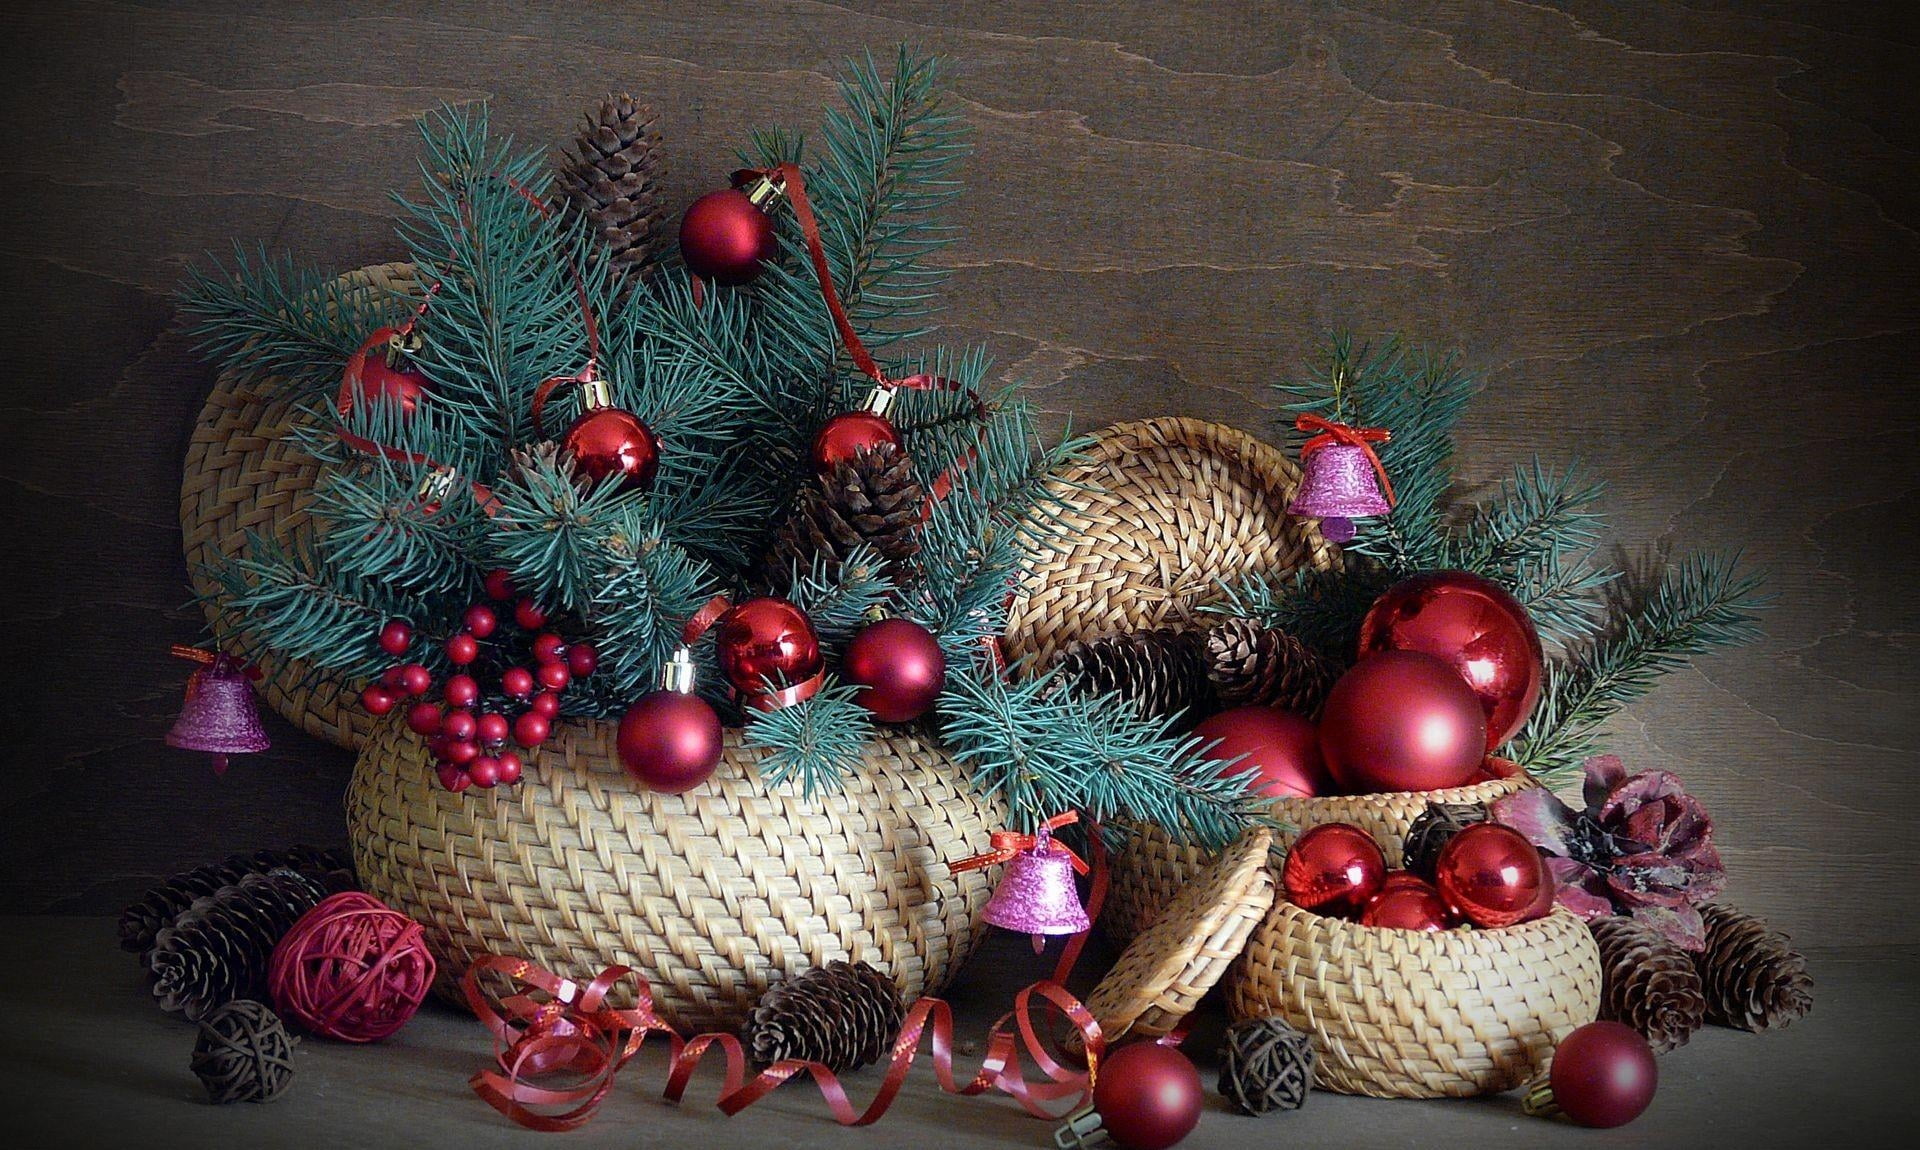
1333 869
415 679
1407 902
1402 721
492 728
669 741
531 729
479 620
510 768
1493 876
1280 747
530 615
517 682
462 649
553 676
499 586
1603 1074
1148 1096
484 771
372 375
459 725
549 647
461 691
848 434
546 704
395 637
1472 623
424 719
766 639
583 659
378 700
612 442
725 237
899 668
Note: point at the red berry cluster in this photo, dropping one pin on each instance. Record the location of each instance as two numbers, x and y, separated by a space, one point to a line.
468 730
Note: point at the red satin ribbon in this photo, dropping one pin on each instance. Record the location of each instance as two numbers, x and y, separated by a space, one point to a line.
208 658
1361 437
1007 844
708 614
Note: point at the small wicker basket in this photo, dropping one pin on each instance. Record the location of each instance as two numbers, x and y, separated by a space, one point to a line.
1402 1014
713 895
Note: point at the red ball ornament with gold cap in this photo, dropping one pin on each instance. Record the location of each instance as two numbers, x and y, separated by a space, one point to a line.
727 236
769 653
382 371
670 739
605 442
852 433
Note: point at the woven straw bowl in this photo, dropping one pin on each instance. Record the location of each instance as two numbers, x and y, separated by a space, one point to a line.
712 895
1402 1014
243 475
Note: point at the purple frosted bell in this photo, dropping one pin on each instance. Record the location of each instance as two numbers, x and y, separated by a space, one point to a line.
219 716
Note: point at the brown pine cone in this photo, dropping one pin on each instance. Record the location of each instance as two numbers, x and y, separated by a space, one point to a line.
872 498
612 176
1161 672
217 950
1251 665
842 1015
1431 830
1753 977
162 904
1648 983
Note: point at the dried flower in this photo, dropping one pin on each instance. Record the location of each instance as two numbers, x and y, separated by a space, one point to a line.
1643 847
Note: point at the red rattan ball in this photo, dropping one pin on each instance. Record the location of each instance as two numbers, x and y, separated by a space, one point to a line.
351 969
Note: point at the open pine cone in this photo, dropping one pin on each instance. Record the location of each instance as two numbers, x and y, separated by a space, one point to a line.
842 1015
1649 983
1251 665
157 908
1161 672
1754 979
872 498
217 950
612 177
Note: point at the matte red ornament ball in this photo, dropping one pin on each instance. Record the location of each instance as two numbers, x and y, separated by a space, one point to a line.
612 442
583 659
396 636
378 700
1148 1096
462 649
1604 1074
530 615
499 586
424 719
517 682
1475 625
531 729
1333 869
1407 902
546 704
899 668
492 728
848 434
1493 876
553 676
725 237
766 639
461 691
670 741
1402 721
370 377
1282 750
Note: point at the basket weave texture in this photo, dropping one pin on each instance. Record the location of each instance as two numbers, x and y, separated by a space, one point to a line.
1403 1014
712 895
243 475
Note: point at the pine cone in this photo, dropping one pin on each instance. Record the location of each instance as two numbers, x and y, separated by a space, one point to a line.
842 1015
1432 828
613 178
1754 979
1161 672
872 499
1254 665
217 950
1649 983
1265 1065
162 904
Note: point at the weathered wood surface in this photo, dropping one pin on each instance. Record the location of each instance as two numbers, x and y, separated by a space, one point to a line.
1678 241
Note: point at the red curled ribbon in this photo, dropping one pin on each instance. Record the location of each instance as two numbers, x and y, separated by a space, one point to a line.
1007 844
559 1027
1361 437
208 658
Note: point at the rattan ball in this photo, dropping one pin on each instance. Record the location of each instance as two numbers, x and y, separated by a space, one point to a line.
1266 1065
351 969
244 1053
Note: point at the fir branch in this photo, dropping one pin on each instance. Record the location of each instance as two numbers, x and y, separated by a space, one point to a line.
562 541
302 610
652 588
1322 608
837 597
1536 537
1700 605
817 741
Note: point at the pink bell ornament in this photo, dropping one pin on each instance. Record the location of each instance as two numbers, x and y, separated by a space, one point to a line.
1342 477
219 715
1036 895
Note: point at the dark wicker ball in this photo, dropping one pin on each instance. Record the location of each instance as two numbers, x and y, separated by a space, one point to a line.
244 1053
1433 829
1265 1065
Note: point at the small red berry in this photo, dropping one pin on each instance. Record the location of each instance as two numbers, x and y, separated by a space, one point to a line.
461 691
582 660
531 729
509 768
415 679
396 637
546 704
553 676
462 649
459 725
480 620
394 678
499 586
530 615
424 718
378 700
517 681
460 752
549 647
454 779
484 771
492 728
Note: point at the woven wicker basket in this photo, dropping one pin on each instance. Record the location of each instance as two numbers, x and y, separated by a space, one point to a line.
243 475
712 895
1401 1014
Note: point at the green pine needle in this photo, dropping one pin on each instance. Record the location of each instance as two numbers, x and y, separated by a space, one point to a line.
815 742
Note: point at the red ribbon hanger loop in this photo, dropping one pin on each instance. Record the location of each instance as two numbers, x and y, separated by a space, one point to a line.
1364 438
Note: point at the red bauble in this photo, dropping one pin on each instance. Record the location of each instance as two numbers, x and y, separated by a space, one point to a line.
725 237
499 587
763 640
480 619
553 676
611 441
376 374
848 434
1148 1096
531 729
669 741
1603 1074
492 728
1402 721
1474 624
899 668
415 679
461 691
1334 869
462 649
424 719
378 700
1281 748
396 637
1493 876
583 659
1405 902
530 615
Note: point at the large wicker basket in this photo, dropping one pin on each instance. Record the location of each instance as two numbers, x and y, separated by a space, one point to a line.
1402 1014
244 476
712 895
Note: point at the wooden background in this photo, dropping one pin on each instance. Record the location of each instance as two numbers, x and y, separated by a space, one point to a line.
1677 240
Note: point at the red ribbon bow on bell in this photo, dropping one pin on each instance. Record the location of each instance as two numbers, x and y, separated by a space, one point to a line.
1364 438
1007 844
